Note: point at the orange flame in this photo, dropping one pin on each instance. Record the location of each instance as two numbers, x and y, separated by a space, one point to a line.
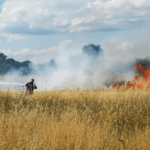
139 82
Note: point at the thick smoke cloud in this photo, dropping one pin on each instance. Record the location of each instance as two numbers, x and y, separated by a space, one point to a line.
85 69
65 71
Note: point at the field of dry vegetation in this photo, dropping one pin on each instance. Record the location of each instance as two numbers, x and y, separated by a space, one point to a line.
75 120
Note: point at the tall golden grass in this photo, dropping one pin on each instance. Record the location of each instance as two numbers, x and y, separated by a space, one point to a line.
75 120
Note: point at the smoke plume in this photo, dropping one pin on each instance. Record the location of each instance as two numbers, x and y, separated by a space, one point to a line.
85 69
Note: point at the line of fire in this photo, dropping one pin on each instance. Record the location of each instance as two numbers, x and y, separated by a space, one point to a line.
141 80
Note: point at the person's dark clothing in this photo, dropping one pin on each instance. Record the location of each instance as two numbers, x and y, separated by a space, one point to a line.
31 86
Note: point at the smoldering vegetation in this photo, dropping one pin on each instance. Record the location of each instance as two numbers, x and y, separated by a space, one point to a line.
145 63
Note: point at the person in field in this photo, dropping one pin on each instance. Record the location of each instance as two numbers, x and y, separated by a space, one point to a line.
30 86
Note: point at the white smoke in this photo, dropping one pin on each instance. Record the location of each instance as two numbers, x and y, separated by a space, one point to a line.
77 70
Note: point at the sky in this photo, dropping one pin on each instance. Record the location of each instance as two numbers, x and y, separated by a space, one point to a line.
30 26
39 30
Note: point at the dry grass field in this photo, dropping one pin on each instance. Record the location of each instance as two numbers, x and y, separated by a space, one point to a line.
75 120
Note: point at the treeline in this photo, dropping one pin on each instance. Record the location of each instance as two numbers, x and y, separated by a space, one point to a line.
9 65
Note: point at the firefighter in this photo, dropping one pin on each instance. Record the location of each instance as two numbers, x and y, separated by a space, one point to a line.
30 86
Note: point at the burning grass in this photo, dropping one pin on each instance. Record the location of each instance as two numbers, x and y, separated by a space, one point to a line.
141 81
102 119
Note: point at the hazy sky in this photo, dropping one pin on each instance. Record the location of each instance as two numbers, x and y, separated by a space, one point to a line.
39 30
